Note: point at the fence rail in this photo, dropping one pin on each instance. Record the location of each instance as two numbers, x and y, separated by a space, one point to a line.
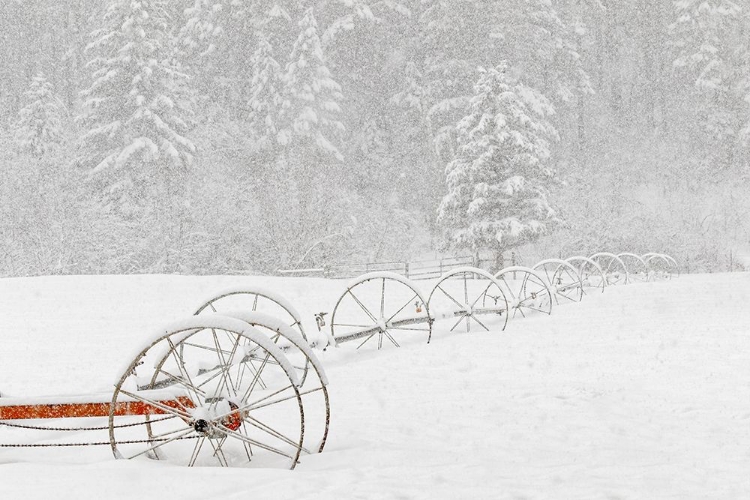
416 270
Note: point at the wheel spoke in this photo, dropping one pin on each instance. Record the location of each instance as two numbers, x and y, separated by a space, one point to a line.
367 311
480 323
176 380
534 308
196 450
154 447
382 300
368 338
390 337
462 306
408 302
198 346
218 452
226 365
245 444
273 432
256 406
256 443
256 378
483 294
161 406
460 319
162 435
572 299
180 366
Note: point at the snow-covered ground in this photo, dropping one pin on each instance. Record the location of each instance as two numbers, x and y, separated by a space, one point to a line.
640 392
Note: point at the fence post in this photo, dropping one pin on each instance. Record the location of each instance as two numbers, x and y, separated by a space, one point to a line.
406 269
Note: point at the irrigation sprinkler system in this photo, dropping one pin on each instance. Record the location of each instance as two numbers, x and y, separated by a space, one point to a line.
238 383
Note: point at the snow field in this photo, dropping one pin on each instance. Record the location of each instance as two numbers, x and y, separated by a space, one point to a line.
639 392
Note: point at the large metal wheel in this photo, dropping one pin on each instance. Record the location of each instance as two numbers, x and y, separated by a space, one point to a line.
467 293
201 410
663 266
381 308
615 271
562 278
592 276
675 266
638 269
527 292
249 298
314 393
255 299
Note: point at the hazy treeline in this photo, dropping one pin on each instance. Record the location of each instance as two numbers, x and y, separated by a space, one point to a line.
224 135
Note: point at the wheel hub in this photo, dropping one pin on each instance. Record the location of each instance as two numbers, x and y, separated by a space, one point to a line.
211 420
201 426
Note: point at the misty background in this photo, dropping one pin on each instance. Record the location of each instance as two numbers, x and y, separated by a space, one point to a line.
225 136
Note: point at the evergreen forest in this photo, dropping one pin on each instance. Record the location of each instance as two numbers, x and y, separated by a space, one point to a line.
245 136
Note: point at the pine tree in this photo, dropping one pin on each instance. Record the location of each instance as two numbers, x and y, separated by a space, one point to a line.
135 146
712 48
267 94
198 35
497 184
538 43
38 129
310 106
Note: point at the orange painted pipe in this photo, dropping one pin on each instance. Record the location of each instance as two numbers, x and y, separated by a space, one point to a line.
78 410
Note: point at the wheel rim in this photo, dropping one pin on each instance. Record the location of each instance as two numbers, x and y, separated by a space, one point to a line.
592 276
379 310
463 295
231 420
614 269
563 280
262 301
526 291
314 394
663 266
638 269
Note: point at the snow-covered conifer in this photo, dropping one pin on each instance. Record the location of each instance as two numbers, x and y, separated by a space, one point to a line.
711 45
135 120
198 35
497 184
702 34
311 102
536 40
39 126
267 87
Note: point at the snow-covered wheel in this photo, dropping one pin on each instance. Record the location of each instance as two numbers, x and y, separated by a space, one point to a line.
384 307
592 276
613 267
466 293
562 278
255 299
662 266
314 393
527 292
204 411
252 298
638 269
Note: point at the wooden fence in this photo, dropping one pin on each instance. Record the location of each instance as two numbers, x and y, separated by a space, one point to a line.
416 270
